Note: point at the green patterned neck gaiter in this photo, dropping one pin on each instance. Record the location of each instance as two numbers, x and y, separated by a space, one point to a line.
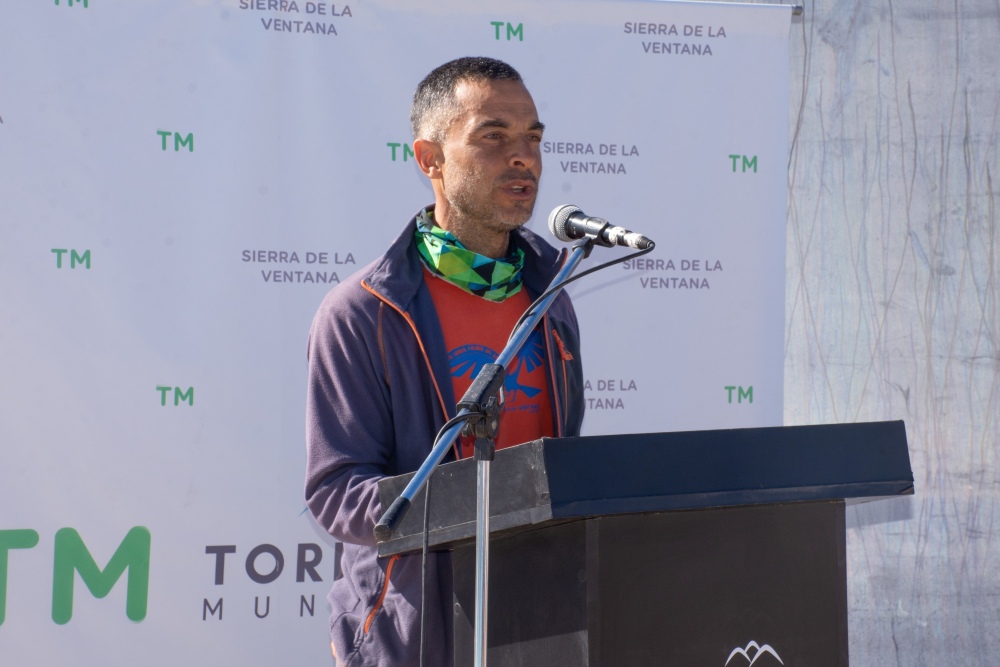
445 256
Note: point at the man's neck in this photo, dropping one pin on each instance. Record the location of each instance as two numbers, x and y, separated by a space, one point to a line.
474 236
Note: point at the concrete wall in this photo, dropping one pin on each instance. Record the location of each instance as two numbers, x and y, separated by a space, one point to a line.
892 303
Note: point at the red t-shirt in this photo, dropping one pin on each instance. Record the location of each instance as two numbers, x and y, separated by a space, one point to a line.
475 332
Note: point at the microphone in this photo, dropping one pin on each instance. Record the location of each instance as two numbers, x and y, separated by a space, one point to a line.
569 223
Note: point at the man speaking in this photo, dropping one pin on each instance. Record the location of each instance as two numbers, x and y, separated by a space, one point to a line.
392 346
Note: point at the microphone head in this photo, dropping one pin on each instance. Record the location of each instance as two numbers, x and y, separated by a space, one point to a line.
558 219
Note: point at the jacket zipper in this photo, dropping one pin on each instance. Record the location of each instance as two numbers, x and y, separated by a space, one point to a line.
559 401
381 597
564 355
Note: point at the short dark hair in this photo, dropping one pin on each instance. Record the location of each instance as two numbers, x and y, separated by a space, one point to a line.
434 99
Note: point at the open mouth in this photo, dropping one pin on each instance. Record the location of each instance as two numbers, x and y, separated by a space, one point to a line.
521 189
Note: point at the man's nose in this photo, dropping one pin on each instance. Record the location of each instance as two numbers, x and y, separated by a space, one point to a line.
525 153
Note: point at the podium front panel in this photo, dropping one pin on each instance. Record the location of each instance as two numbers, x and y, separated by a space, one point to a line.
700 587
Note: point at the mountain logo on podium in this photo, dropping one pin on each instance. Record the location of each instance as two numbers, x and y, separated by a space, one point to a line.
758 651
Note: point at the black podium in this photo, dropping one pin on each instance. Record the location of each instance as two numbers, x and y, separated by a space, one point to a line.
706 548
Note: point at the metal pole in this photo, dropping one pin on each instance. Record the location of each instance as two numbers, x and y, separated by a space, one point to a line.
482 557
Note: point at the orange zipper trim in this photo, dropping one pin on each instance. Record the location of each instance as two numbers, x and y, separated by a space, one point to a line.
563 352
565 355
423 351
552 375
381 598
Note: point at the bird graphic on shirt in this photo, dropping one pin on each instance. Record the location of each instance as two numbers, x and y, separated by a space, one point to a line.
468 361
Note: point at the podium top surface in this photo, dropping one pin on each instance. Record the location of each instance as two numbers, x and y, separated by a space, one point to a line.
557 479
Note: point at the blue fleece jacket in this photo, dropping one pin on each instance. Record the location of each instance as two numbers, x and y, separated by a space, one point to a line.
379 390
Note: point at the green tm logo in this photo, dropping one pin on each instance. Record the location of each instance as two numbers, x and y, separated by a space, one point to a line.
741 393
71 556
407 152
179 396
512 30
11 539
69 3
178 140
748 162
74 257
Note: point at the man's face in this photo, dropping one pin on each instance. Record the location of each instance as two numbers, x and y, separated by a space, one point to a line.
492 154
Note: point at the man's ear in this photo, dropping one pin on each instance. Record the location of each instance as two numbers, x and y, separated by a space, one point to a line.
429 156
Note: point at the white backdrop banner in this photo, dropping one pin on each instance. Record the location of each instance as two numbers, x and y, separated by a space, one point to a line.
183 181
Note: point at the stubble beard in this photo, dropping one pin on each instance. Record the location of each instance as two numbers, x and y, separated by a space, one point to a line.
472 207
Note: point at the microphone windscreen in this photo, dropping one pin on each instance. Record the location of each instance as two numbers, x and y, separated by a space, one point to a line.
558 219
